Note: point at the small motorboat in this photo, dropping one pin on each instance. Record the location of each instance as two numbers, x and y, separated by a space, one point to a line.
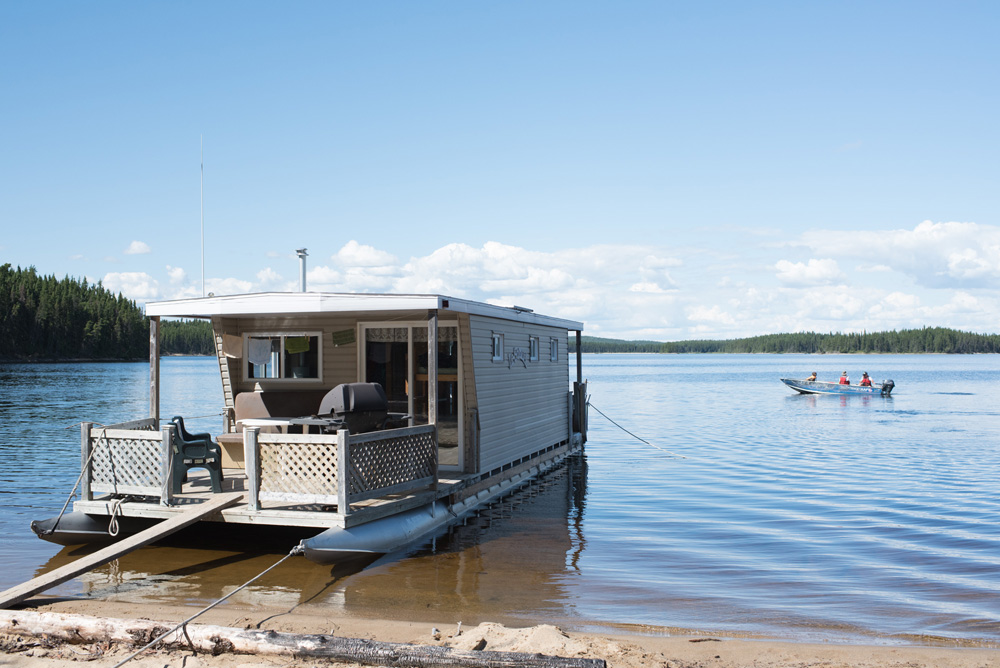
821 387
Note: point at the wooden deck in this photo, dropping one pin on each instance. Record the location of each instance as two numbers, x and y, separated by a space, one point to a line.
274 513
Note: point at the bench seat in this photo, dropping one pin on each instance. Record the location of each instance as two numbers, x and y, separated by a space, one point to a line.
265 404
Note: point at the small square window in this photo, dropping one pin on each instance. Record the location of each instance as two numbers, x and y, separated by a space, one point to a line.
533 348
283 356
554 350
497 347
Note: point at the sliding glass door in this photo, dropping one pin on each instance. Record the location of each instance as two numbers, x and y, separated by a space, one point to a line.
395 356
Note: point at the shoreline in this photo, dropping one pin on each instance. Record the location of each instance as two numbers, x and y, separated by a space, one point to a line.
620 649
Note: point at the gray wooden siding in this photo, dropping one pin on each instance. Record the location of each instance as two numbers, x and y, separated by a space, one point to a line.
522 407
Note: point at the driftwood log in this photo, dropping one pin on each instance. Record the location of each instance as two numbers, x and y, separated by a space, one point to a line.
222 639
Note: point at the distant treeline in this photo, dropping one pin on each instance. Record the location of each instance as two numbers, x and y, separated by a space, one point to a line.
186 337
926 340
42 317
45 318
593 344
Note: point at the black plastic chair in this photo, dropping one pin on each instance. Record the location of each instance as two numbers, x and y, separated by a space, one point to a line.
185 434
194 451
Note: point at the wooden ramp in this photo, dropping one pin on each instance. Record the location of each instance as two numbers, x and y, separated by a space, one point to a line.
15 595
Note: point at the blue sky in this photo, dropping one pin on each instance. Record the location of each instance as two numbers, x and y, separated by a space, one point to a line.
659 170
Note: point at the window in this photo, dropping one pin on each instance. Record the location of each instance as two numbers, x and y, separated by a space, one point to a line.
288 356
497 347
554 350
533 348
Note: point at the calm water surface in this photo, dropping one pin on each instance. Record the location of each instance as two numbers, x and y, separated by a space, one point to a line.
750 511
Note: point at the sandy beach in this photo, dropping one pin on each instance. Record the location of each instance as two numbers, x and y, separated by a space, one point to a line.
618 650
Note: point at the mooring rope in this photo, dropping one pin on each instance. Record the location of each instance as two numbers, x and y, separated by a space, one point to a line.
113 522
72 492
652 445
298 549
199 417
85 468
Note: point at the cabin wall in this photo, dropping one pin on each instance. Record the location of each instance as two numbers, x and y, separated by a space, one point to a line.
339 362
522 405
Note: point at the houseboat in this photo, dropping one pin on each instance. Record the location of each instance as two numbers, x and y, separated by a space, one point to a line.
366 421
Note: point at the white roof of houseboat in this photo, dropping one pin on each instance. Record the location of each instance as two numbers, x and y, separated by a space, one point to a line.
305 303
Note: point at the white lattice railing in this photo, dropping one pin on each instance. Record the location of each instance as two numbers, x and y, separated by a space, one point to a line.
310 469
299 468
128 458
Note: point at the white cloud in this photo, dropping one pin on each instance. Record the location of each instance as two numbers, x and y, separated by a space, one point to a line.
354 254
710 314
832 303
645 286
897 307
268 280
814 272
136 285
138 248
873 268
939 255
228 286
902 300
324 279
632 291
176 274
498 269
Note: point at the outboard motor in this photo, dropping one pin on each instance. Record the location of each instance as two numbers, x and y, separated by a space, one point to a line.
362 406
887 387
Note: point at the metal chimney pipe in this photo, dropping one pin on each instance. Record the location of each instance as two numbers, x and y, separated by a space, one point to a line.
302 268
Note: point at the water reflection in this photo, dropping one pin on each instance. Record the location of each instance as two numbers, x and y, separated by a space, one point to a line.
509 561
796 516
182 575
533 537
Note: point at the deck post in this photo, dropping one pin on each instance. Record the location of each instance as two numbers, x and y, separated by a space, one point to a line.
571 407
166 464
343 472
85 469
432 386
580 389
251 459
154 369
432 366
579 357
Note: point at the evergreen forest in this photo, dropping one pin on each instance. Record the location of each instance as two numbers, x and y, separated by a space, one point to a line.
42 317
45 318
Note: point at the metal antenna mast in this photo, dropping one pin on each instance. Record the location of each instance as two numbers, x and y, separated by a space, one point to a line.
202 215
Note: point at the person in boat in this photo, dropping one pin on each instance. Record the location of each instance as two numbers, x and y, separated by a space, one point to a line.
844 380
812 377
865 380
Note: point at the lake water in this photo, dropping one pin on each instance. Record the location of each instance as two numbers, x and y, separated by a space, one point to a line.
751 511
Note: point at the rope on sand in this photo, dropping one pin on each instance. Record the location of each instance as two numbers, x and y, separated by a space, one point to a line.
183 625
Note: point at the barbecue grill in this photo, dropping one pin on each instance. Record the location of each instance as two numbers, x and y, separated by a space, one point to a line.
362 407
